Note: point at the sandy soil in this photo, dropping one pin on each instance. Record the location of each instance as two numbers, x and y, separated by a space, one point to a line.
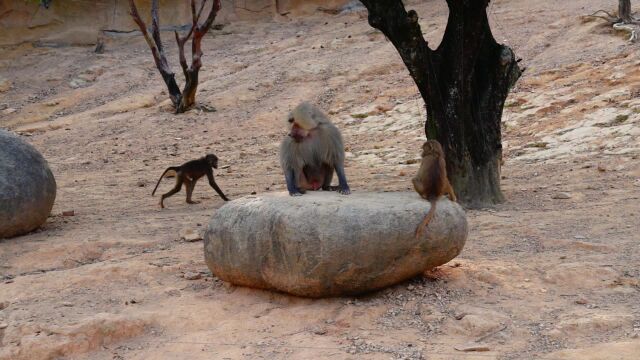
552 273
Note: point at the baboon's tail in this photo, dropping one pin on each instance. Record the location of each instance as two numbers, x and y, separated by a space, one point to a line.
170 168
427 219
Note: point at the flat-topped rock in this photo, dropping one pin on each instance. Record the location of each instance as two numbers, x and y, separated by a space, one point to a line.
326 244
27 186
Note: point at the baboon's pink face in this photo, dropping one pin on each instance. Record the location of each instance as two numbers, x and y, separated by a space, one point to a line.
302 122
297 133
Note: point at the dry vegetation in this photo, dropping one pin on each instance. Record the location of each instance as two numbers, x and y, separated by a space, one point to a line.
553 272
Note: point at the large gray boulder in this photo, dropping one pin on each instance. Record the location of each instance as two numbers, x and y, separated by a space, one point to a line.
327 244
27 186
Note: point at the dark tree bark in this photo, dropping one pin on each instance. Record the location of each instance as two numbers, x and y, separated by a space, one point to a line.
464 83
624 11
185 99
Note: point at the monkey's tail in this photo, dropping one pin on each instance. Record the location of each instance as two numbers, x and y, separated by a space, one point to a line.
426 220
170 168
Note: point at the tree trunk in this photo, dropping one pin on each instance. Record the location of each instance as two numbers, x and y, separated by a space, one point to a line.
189 93
624 11
464 84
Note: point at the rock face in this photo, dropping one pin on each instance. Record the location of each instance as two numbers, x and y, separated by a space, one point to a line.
27 186
326 244
81 22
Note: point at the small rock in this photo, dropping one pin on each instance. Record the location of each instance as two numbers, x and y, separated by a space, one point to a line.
192 275
472 347
52 102
87 77
190 235
76 83
320 331
172 292
3 326
5 84
384 108
4 305
141 183
561 195
460 316
581 302
66 304
601 168
8 111
69 213
207 108
410 287
579 237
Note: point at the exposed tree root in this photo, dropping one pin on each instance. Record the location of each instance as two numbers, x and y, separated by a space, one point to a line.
610 18
630 24
630 28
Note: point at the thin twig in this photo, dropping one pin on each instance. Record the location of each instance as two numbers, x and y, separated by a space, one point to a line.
611 17
486 336
609 20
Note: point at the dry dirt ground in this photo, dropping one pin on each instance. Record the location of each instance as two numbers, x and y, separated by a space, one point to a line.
552 273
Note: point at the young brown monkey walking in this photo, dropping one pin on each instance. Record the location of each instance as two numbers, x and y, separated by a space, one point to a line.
189 173
431 182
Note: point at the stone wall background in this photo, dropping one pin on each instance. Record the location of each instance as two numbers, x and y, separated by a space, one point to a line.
79 22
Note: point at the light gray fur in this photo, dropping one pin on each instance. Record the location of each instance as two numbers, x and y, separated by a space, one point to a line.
324 146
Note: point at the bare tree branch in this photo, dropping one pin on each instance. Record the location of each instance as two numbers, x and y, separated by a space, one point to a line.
155 26
609 16
156 50
183 61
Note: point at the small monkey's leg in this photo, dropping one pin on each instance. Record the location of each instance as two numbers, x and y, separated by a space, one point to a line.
419 187
452 194
215 187
175 189
190 185
342 180
290 177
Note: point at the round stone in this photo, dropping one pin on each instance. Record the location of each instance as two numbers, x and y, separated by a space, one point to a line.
27 186
326 244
